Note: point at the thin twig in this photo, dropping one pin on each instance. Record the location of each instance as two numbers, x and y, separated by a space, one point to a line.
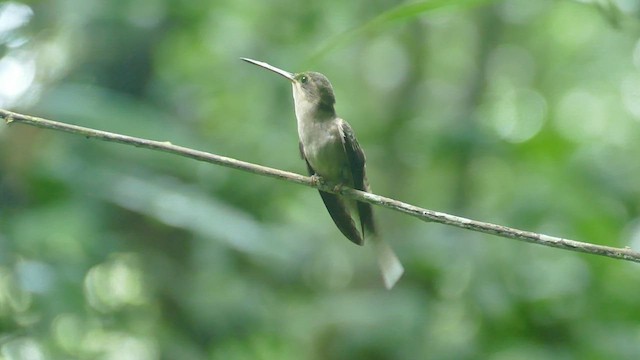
423 214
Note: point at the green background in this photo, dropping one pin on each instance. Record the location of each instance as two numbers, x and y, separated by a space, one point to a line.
522 113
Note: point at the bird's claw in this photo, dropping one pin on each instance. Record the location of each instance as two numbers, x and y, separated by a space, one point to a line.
320 182
317 180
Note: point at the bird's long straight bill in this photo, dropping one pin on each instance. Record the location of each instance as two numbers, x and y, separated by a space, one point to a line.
276 70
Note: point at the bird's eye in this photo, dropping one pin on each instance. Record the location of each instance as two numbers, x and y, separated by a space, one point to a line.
303 79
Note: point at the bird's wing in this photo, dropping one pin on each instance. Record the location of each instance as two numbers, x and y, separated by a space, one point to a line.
390 267
337 209
356 158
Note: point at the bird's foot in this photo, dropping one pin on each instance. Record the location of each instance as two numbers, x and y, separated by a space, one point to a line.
337 188
321 183
317 180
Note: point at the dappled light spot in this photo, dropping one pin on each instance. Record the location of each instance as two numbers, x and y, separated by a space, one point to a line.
68 331
22 348
581 116
575 33
512 109
120 345
17 68
86 338
13 15
34 276
13 299
114 284
16 76
516 115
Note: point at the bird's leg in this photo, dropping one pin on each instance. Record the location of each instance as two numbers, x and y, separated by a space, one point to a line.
317 180
320 182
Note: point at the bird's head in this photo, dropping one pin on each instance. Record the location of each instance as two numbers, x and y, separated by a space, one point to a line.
312 91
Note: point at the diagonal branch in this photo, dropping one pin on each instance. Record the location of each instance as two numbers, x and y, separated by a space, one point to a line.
422 214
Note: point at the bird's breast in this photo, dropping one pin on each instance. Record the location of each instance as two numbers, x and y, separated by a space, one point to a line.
324 150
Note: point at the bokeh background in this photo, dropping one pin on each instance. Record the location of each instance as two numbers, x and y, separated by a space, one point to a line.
522 113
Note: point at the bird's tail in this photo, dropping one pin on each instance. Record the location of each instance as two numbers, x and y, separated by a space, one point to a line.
390 267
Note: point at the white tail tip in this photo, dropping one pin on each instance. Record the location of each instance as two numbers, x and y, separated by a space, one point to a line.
390 267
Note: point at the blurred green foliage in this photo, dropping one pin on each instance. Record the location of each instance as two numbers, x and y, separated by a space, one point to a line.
523 113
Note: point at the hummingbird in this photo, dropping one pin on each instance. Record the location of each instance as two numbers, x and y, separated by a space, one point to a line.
330 150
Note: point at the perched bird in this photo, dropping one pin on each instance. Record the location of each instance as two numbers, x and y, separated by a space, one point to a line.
331 151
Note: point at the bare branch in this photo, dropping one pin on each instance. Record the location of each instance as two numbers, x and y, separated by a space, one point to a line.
423 214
